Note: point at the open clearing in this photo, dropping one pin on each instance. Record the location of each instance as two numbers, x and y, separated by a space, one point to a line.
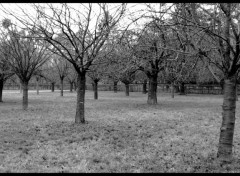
122 134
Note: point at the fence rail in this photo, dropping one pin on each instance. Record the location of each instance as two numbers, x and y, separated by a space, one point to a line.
189 88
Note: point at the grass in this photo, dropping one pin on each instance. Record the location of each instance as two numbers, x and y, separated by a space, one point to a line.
122 134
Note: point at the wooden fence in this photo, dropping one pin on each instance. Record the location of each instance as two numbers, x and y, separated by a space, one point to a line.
205 89
189 88
30 87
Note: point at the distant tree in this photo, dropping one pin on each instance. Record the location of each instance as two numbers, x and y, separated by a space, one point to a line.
121 63
180 70
71 77
98 69
50 74
127 77
38 74
141 77
62 67
96 72
150 57
24 54
113 75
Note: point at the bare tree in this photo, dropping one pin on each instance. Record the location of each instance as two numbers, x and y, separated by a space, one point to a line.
84 30
71 77
99 67
150 57
62 67
96 73
50 74
142 78
123 58
215 37
23 54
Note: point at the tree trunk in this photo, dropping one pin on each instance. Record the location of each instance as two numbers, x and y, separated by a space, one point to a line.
71 86
152 90
25 95
20 87
127 89
115 86
144 91
52 86
93 86
177 88
167 88
95 89
228 120
182 89
37 85
1 89
75 86
61 82
236 92
81 82
172 89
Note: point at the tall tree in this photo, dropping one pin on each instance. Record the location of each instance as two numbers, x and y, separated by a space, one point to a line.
84 30
218 37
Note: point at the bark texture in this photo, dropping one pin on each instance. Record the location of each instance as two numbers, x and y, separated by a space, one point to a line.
236 92
61 82
37 85
115 86
127 89
172 90
1 89
75 86
228 120
182 89
52 86
95 88
25 95
177 89
152 90
144 90
81 83
71 86
167 88
20 87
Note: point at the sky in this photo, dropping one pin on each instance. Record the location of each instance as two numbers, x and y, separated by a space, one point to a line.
133 11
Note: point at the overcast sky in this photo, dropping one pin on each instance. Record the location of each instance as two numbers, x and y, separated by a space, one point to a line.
133 10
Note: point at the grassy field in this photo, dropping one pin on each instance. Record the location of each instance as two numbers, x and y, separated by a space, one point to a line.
122 134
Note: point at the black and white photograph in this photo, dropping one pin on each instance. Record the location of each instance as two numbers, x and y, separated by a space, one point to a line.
119 87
